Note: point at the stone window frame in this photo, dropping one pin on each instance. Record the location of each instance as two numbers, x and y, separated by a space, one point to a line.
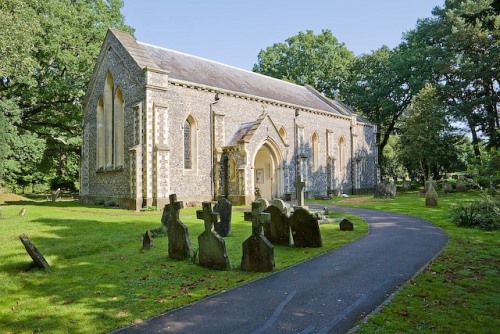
190 155
283 134
342 156
315 150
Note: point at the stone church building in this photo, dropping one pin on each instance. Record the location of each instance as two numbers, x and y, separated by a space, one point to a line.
157 122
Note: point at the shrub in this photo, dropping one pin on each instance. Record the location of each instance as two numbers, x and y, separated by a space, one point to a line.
483 214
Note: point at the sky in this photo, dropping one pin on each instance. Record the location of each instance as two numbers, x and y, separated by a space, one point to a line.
233 32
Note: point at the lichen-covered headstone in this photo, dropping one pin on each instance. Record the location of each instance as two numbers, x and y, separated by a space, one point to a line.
179 245
447 187
147 240
305 229
212 251
346 225
431 197
282 205
278 231
264 202
258 252
56 194
385 189
36 256
225 210
429 183
460 186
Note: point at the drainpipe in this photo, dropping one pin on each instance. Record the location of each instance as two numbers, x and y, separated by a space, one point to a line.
212 146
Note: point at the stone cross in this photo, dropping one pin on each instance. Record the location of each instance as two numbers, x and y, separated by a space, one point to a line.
209 217
300 184
179 245
257 217
174 207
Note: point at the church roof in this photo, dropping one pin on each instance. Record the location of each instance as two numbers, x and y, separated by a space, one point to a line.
197 70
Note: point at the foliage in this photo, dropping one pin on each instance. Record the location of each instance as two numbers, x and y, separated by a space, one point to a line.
487 171
48 51
100 278
483 214
317 60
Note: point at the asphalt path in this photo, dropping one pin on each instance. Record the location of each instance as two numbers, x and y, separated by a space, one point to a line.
328 294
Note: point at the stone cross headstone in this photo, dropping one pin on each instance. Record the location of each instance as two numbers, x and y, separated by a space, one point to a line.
165 217
212 252
431 197
179 245
278 231
56 194
346 225
300 184
225 210
37 257
147 240
258 252
305 229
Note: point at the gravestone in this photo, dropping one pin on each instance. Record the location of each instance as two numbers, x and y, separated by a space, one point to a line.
385 189
429 183
225 210
346 225
264 202
37 257
258 252
406 184
460 186
56 194
305 229
212 252
179 245
147 240
447 187
431 197
284 207
300 184
22 212
278 231
165 217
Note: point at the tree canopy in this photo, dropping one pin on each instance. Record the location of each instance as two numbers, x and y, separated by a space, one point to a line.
48 52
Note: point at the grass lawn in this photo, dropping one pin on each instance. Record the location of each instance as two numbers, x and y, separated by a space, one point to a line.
99 278
459 292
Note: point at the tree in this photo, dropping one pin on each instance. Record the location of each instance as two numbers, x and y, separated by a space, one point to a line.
50 49
428 143
318 60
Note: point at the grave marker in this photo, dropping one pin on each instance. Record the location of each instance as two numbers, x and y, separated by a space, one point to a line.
258 252
300 184
278 231
147 240
225 210
37 257
212 252
179 245
56 194
431 197
346 225
305 229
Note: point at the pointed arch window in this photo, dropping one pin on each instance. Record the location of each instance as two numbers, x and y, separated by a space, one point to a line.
101 135
190 143
282 133
342 160
315 150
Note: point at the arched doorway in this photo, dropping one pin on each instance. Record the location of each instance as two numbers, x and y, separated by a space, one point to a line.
267 176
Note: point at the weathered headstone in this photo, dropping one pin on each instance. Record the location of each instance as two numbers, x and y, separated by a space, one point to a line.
300 184
165 217
305 229
346 225
460 186
431 197
37 257
406 184
225 210
179 245
430 182
447 187
22 212
56 194
258 252
385 189
278 231
282 205
264 202
147 240
212 252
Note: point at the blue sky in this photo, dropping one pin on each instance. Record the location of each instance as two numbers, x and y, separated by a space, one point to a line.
233 32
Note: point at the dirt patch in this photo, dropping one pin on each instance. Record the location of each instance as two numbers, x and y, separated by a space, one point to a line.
6 197
354 200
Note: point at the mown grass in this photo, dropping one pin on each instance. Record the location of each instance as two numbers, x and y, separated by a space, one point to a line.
100 279
459 292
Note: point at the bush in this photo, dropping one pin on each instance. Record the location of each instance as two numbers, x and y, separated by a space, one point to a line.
64 183
483 214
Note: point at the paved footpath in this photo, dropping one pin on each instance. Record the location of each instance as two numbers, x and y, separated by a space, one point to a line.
328 294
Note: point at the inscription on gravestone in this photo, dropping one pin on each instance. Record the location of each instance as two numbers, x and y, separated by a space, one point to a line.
212 252
37 257
258 252
225 210
305 229
179 245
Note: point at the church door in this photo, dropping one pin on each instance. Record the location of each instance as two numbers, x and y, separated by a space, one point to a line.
265 173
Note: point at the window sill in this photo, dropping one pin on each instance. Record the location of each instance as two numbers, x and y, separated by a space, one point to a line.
110 169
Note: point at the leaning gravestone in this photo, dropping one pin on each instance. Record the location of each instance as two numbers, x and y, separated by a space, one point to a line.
179 245
147 240
37 257
305 229
225 210
258 252
278 231
165 217
212 252
431 197
385 189
56 194
22 212
264 202
284 207
346 225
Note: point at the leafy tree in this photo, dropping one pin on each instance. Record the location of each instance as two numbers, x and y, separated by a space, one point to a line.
427 141
317 60
49 49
